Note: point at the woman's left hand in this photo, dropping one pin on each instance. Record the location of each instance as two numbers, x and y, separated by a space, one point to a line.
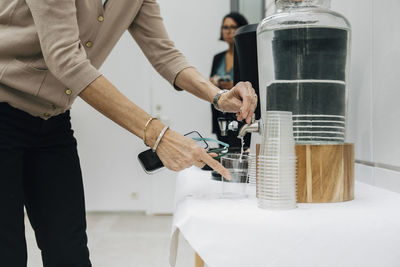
241 99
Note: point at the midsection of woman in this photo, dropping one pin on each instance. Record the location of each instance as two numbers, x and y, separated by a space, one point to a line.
225 72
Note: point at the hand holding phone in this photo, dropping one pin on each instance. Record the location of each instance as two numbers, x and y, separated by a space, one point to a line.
150 161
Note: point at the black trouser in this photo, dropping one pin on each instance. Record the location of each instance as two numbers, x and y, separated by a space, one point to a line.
39 169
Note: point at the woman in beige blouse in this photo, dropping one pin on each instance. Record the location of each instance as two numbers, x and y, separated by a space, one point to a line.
50 53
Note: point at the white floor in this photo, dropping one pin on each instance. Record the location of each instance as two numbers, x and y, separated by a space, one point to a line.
124 240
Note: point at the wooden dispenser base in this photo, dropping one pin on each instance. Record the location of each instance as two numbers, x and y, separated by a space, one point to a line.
325 173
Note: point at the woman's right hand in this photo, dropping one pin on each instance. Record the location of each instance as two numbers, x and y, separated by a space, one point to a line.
178 152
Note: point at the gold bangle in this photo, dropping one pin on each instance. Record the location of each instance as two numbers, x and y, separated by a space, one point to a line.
145 129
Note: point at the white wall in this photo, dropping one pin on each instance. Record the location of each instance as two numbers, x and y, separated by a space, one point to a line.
251 10
374 112
195 31
108 152
113 178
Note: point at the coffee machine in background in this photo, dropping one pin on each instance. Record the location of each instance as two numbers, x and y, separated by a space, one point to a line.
245 68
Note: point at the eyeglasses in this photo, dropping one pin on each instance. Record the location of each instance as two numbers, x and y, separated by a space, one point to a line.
229 28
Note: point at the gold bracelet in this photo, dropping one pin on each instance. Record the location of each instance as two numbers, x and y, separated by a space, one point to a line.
145 129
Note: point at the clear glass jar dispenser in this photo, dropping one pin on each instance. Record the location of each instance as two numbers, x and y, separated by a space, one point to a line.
303 62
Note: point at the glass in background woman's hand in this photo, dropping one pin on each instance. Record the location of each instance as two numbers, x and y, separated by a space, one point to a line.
222 82
215 80
225 84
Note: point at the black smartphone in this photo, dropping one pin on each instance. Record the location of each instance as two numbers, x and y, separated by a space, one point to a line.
151 163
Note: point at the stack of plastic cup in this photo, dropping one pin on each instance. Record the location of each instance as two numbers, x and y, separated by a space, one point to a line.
276 164
252 172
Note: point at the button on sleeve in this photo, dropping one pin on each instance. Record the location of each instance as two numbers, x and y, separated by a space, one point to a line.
57 28
89 44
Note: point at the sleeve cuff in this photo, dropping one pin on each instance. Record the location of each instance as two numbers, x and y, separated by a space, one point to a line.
173 70
79 77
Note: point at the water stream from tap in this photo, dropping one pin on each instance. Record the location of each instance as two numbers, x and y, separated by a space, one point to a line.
242 149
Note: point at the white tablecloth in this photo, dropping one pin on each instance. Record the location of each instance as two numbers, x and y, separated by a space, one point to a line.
236 233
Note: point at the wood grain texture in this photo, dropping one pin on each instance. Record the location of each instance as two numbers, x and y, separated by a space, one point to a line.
325 173
198 261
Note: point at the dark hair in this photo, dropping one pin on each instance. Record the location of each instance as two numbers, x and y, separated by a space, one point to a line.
237 17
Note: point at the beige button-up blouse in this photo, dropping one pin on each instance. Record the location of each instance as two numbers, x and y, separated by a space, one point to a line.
50 50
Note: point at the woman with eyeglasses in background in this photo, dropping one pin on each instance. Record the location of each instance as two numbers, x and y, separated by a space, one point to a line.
222 72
